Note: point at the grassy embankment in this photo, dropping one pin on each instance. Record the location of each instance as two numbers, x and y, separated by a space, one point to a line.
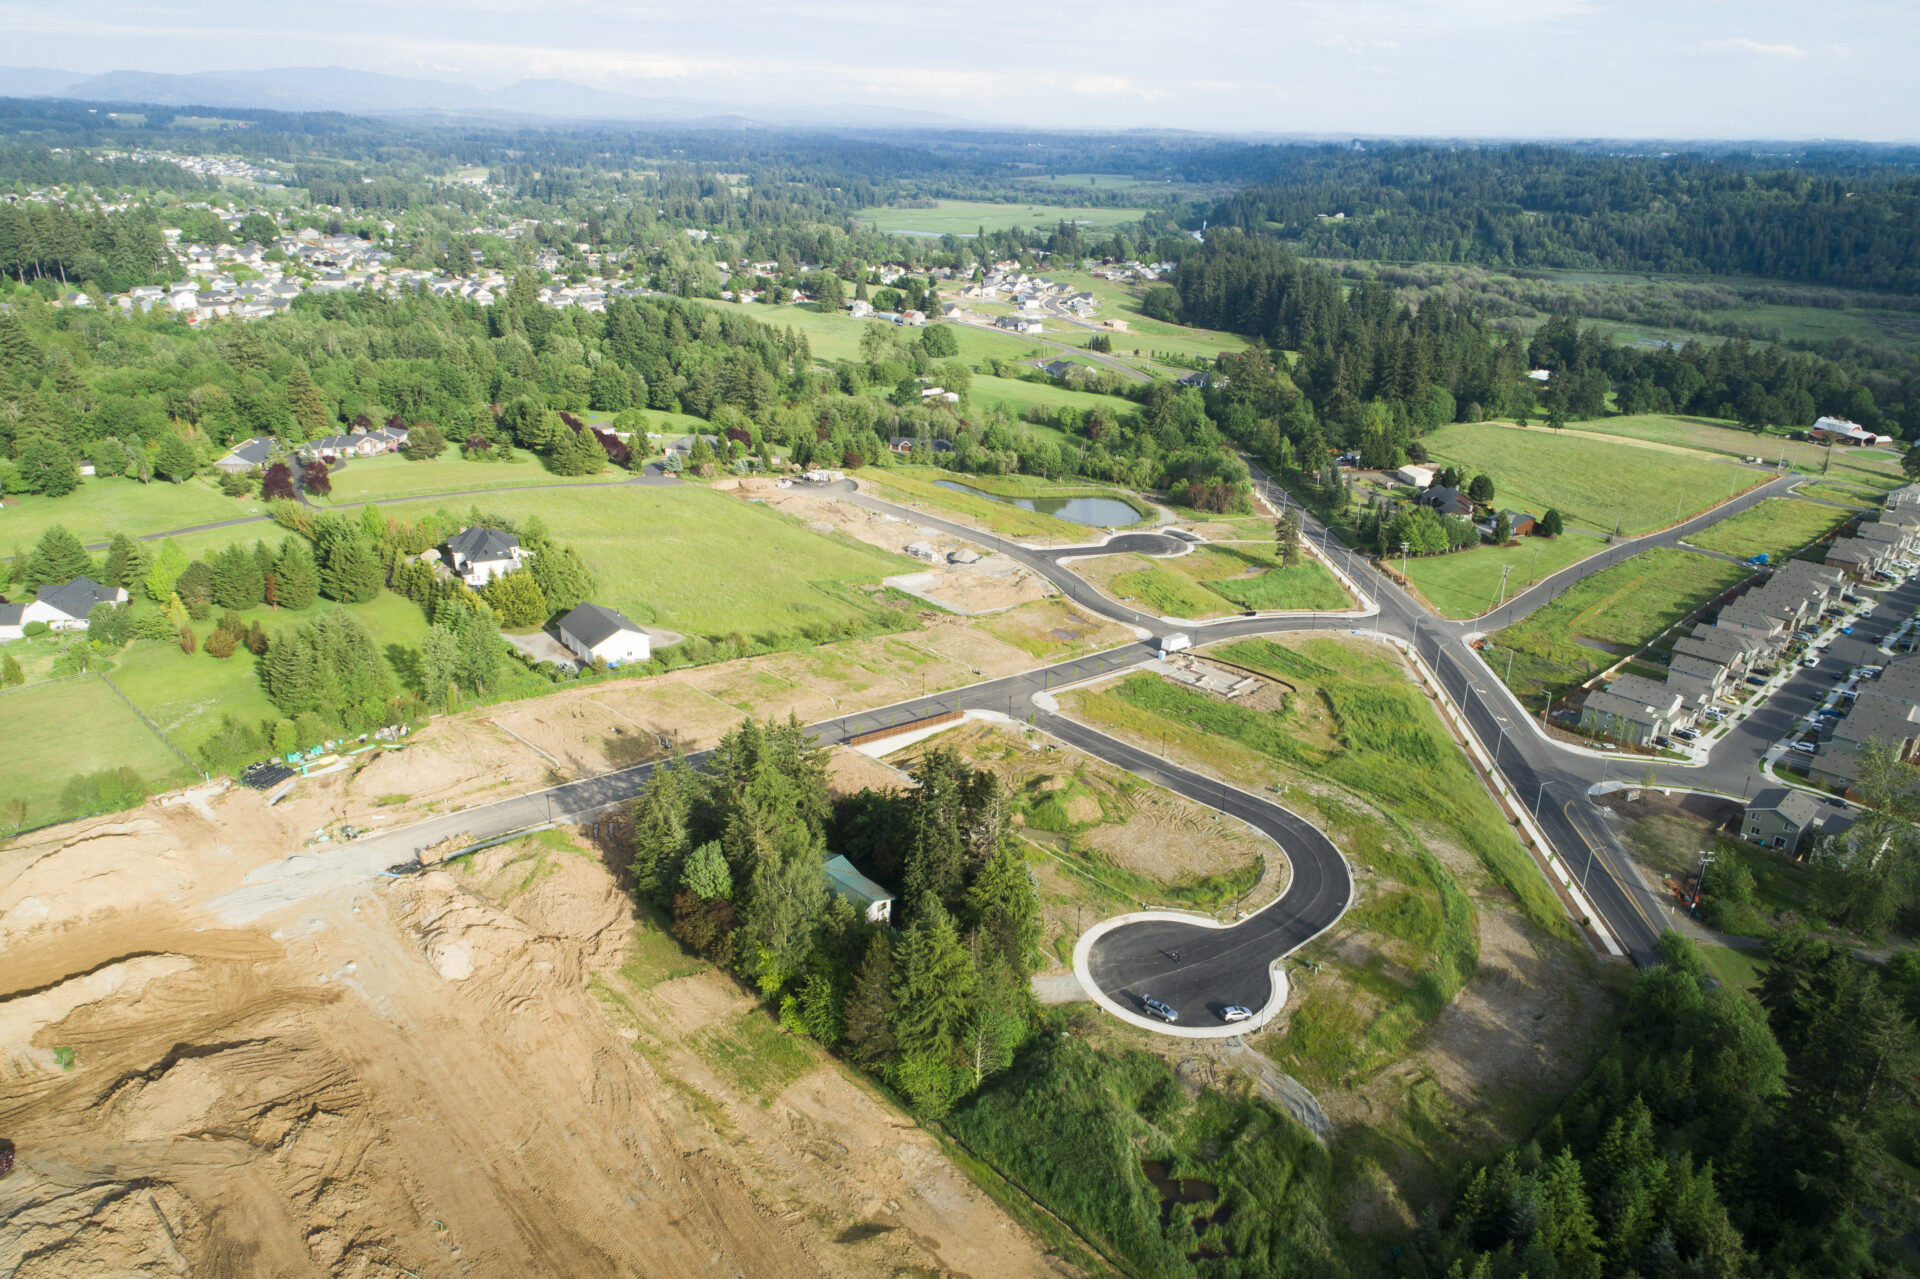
1380 768
60 730
1467 583
1776 527
1215 580
1604 617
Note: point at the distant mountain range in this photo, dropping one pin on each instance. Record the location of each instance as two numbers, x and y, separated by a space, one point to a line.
371 93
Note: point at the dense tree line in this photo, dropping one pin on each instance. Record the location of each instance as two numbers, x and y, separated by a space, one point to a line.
734 851
1721 1136
1548 206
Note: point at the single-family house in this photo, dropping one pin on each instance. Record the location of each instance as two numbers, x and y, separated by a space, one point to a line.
1064 369
874 903
1857 557
1522 522
480 554
1447 501
906 444
859 308
1018 323
594 632
248 455
63 607
684 445
1779 818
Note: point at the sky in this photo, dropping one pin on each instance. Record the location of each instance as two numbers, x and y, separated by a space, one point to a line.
1533 68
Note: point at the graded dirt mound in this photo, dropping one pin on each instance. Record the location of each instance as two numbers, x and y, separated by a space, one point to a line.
482 1069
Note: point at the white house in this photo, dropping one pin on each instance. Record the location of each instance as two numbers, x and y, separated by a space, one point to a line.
479 555
592 632
62 608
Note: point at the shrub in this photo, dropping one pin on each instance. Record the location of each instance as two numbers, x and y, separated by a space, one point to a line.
221 643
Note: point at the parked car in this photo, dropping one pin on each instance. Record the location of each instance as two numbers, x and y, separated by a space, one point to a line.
1686 734
1756 681
1234 1012
1828 712
1158 1009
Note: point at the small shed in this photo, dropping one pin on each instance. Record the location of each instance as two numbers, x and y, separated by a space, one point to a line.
874 903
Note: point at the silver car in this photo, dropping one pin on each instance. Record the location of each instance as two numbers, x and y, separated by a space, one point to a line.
1234 1012
1158 1009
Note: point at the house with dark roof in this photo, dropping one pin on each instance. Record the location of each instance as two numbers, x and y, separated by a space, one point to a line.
1447 501
593 632
248 455
905 444
63 607
1635 709
479 554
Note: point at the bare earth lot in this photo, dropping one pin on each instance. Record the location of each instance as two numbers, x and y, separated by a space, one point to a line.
488 1069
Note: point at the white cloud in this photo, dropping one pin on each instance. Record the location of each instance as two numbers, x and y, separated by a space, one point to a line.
1756 49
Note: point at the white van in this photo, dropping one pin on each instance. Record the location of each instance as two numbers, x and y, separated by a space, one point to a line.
1175 643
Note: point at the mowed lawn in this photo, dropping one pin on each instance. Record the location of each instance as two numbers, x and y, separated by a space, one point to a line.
694 560
188 694
99 508
1592 481
1606 616
836 335
1777 527
384 479
56 732
1708 435
1467 583
1017 394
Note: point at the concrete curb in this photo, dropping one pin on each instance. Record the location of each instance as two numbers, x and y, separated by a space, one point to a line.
1556 864
1276 974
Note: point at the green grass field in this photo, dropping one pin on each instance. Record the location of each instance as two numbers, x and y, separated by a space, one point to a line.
1122 302
186 694
836 336
385 479
100 508
694 560
1593 482
1778 527
1615 611
55 732
1708 435
1016 394
966 217
1220 579
1467 583
1849 494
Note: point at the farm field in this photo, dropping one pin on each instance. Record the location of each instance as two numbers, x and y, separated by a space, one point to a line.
1216 580
966 217
99 508
1604 617
1777 527
44 750
1595 483
1467 583
703 562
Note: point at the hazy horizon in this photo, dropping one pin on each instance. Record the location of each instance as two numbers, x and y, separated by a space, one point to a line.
1689 69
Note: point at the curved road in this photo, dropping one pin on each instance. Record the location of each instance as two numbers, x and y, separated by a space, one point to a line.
1217 966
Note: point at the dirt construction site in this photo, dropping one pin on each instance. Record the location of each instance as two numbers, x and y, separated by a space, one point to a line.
493 1066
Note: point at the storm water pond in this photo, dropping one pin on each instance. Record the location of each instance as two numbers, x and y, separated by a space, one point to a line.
1100 512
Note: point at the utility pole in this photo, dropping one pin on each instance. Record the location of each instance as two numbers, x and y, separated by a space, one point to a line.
1504 570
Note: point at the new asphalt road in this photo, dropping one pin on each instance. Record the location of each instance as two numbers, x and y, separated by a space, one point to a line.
1218 967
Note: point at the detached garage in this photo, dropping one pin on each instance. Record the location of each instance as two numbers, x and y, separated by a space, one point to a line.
591 632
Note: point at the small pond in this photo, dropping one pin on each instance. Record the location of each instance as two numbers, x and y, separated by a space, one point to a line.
1100 512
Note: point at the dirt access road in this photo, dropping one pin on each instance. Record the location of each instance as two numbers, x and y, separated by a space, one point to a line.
491 1069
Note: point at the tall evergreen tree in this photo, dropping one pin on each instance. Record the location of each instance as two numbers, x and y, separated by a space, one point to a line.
296 579
352 572
57 558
